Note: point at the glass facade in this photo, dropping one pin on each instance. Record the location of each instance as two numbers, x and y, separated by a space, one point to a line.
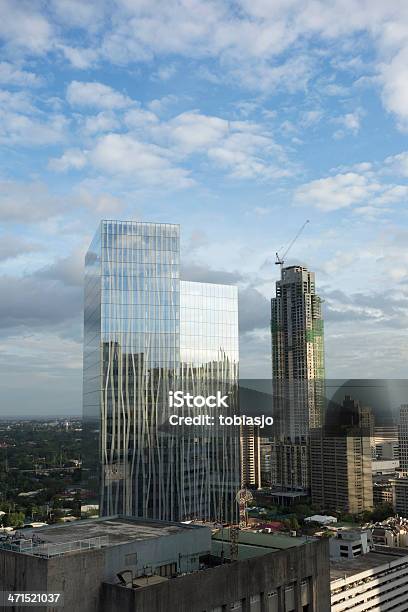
136 314
209 363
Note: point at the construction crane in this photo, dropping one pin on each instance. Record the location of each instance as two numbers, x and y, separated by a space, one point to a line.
280 260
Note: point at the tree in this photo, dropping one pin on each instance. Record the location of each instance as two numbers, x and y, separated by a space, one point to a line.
294 523
14 519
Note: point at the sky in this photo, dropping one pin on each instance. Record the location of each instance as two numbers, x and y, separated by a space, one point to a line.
237 120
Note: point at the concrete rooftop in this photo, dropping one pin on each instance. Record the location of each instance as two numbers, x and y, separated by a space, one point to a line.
118 529
344 568
253 544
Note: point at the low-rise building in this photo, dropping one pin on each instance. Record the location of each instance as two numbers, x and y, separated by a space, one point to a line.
350 543
391 532
321 519
375 581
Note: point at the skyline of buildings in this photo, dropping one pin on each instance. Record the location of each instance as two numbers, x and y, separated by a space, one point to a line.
237 123
147 332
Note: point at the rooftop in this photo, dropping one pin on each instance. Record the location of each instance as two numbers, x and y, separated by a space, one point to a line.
344 568
254 544
90 533
321 518
118 529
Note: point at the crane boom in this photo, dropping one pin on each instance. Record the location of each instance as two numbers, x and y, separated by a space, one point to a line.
281 260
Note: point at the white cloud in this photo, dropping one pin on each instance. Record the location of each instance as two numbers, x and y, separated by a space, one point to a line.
23 124
165 72
27 202
247 156
310 118
12 246
394 76
96 95
261 211
264 45
398 164
334 89
123 155
23 28
100 203
11 74
25 131
243 148
349 189
160 105
16 102
291 75
79 57
192 131
72 159
80 14
350 122
105 121
139 118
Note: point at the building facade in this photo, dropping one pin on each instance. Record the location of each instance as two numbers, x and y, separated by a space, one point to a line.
349 544
251 457
298 374
146 333
403 438
374 581
386 442
341 475
399 487
265 579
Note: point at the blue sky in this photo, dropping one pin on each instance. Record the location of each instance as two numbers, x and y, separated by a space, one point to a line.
236 120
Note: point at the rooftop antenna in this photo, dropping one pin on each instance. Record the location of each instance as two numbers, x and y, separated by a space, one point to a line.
280 260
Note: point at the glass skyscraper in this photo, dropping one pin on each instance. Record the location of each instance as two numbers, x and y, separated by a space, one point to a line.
146 333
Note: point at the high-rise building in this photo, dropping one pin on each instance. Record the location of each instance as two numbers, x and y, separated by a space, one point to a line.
298 375
250 457
399 486
403 438
341 474
147 333
297 327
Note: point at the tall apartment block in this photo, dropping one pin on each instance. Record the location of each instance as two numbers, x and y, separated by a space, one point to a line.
403 438
399 485
146 332
250 457
298 375
341 474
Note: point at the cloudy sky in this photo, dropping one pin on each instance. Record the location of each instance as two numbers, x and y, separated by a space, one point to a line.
238 120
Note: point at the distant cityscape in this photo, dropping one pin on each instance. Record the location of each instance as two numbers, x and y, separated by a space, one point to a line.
323 494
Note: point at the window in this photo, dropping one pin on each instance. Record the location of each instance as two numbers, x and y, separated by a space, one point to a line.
131 559
167 570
